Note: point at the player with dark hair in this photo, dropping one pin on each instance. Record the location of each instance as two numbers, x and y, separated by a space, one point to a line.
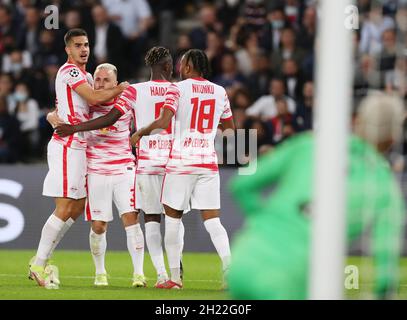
146 100
65 181
192 177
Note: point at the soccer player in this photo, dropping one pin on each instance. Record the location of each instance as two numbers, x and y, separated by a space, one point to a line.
146 99
111 177
65 181
192 176
275 242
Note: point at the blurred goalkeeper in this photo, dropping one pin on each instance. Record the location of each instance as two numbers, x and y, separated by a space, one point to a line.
274 246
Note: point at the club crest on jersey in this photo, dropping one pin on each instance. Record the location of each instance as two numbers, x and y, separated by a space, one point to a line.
108 129
74 73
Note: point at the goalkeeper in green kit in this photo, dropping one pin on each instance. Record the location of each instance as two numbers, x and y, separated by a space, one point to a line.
270 255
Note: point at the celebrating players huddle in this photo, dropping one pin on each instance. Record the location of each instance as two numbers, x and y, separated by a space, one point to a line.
91 163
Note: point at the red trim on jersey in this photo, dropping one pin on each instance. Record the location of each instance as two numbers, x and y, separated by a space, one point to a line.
78 84
166 81
88 211
226 119
132 91
71 111
107 104
65 171
119 161
83 70
120 109
199 79
211 166
70 103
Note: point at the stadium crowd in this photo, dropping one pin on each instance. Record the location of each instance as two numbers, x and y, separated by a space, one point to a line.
262 52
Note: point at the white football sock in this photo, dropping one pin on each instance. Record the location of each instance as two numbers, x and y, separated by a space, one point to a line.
173 246
219 239
49 236
135 245
68 224
98 246
154 244
181 236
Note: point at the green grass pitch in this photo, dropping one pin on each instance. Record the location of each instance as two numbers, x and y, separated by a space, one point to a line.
202 279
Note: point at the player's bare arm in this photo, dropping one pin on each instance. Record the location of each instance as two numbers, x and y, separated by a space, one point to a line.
98 123
227 124
162 122
95 97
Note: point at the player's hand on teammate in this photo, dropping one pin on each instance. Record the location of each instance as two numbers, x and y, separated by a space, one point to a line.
65 130
135 138
124 85
54 120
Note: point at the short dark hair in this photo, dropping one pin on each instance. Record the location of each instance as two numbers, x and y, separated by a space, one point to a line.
74 33
199 60
156 55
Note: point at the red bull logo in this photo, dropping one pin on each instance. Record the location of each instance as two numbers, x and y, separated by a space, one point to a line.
108 130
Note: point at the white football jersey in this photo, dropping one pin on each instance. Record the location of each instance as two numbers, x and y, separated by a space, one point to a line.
108 150
147 99
198 105
70 106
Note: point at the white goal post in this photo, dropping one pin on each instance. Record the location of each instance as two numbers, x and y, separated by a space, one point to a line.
334 75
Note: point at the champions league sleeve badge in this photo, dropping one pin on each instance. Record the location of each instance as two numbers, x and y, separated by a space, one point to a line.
74 73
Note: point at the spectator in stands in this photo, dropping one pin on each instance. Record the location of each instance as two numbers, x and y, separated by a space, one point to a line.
215 51
288 50
73 19
241 99
254 13
265 107
106 39
209 22
292 11
27 113
283 123
230 78
183 45
308 29
259 80
10 144
240 118
367 75
263 131
373 28
8 29
271 32
247 52
6 90
134 17
304 114
293 78
389 50
395 81
28 38
17 63
48 49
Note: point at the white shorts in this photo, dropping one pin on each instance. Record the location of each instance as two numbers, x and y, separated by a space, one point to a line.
66 177
103 190
148 193
182 192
